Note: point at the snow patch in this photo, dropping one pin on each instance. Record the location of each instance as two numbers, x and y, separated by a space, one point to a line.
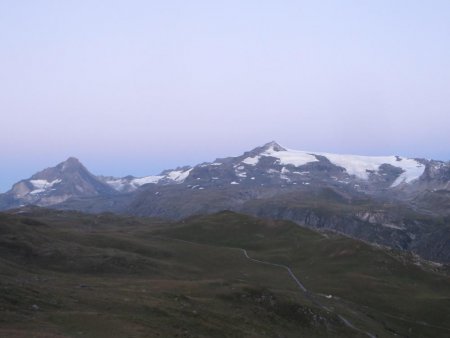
120 184
283 176
272 171
146 180
42 185
117 184
179 175
301 172
294 157
251 160
392 226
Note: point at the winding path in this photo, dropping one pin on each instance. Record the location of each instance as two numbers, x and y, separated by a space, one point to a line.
300 285
307 293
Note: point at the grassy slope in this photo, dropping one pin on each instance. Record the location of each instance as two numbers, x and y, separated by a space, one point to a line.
109 276
69 275
383 286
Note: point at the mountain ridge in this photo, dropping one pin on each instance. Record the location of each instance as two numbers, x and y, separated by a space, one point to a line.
388 200
411 179
287 156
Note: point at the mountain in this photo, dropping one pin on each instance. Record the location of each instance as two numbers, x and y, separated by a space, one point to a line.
69 179
387 200
275 165
271 170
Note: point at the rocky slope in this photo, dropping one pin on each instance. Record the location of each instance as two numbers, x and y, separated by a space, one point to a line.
69 179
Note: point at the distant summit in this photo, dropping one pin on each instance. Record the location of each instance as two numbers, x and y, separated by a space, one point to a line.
273 145
70 163
68 179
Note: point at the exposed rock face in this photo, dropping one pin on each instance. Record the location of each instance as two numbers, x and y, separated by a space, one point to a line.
69 179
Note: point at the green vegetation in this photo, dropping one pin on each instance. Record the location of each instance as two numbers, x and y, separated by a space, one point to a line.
67 274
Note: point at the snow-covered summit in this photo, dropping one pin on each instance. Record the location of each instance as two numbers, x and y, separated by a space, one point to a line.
355 165
284 156
274 164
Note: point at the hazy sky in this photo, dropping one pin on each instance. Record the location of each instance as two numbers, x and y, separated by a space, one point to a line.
133 87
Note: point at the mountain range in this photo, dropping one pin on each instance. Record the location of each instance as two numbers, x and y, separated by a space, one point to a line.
387 200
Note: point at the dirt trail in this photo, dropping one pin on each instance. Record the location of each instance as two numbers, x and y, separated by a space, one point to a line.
307 293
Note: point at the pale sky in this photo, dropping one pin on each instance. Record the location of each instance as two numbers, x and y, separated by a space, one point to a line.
135 87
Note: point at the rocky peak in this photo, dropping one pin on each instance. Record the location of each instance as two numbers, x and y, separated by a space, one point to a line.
56 184
71 164
65 171
273 145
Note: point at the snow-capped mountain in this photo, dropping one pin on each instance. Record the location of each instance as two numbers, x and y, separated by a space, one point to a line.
360 167
270 165
389 200
55 185
273 164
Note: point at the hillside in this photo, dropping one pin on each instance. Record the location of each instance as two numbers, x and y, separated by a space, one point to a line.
68 274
